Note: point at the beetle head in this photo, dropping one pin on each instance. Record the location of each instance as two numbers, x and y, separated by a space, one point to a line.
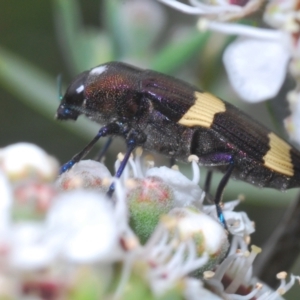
73 99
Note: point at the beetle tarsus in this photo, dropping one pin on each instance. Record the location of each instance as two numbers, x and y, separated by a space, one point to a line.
112 128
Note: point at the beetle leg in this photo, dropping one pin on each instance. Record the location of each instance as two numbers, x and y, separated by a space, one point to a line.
129 150
207 181
112 128
134 139
218 159
172 162
207 185
219 193
104 149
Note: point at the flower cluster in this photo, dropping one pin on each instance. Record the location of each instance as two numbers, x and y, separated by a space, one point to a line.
258 59
65 239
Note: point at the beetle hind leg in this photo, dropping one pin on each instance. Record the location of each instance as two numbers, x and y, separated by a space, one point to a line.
219 193
218 159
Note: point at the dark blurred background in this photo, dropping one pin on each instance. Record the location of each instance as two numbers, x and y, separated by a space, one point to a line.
27 29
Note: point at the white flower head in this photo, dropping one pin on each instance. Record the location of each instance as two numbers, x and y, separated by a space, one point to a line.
84 227
238 222
24 161
184 241
6 201
256 68
29 251
87 174
186 192
194 223
237 269
292 122
283 15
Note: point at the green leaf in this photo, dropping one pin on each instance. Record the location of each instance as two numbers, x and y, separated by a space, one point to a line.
69 26
111 16
36 89
175 54
83 47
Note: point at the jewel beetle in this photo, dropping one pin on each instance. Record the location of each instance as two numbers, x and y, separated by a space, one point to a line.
171 117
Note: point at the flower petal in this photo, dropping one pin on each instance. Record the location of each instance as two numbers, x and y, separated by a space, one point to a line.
185 191
256 68
83 226
25 160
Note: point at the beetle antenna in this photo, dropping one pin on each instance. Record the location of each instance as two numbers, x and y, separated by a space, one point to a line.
59 87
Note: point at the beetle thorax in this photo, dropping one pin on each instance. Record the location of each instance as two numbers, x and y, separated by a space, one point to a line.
111 94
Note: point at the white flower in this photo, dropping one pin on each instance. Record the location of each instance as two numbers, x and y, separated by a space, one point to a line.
256 68
25 160
292 123
257 61
238 223
184 241
193 223
237 269
220 9
88 174
284 285
283 15
83 226
6 201
186 192
195 290
86 228
28 248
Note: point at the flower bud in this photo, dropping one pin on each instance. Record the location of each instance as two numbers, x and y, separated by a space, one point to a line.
147 198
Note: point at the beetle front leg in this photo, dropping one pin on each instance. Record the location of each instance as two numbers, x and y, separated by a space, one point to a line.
104 149
135 138
109 129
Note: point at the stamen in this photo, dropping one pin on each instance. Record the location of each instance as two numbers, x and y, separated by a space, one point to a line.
120 156
242 30
149 162
133 166
138 155
208 275
157 242
284 287
196 170
125 274
200 8
175 168
281 275
121 209
245 266
224 266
